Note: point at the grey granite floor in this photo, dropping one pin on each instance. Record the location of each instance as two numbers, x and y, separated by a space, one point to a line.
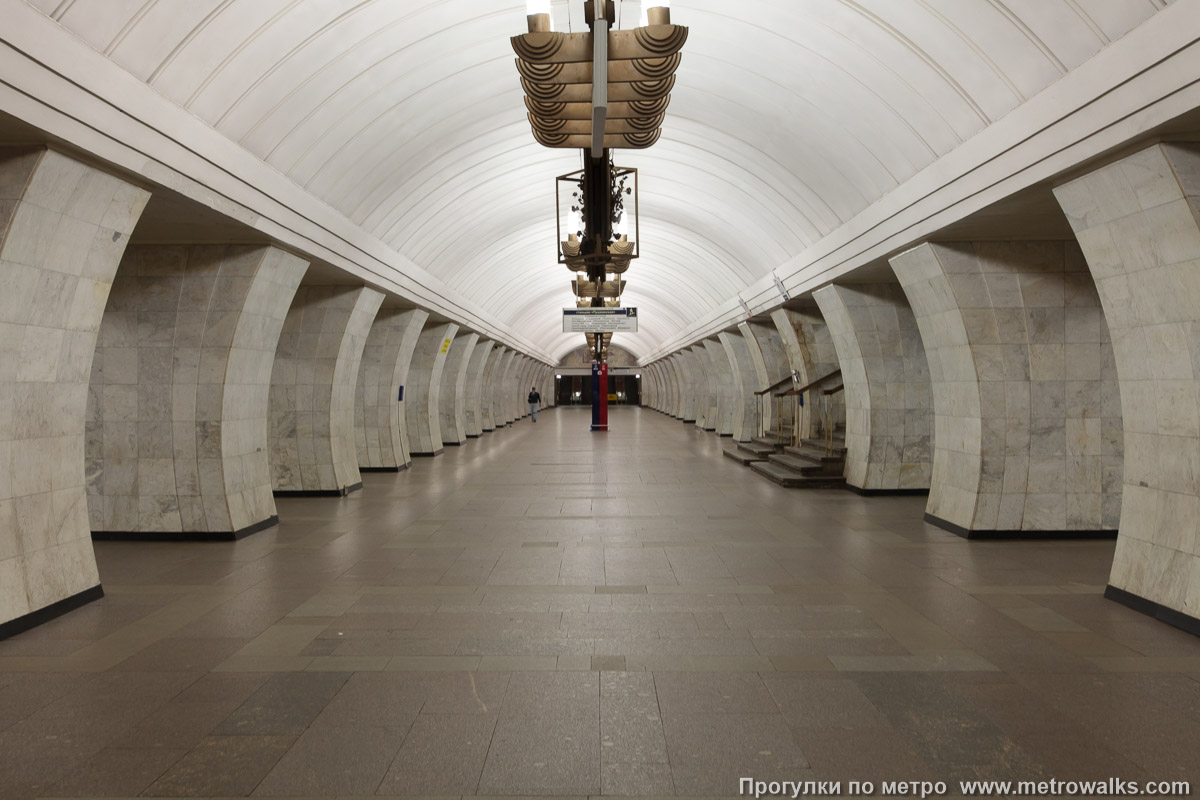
547 611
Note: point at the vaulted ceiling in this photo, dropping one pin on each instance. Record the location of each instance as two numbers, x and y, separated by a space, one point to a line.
788 118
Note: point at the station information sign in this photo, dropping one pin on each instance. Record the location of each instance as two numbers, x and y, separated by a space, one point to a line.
600 320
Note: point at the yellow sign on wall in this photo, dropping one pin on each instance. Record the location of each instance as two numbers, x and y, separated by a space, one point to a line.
446 346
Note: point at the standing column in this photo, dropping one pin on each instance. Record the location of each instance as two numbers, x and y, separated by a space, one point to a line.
178 407
1021 406
452 412
476 371
758 415
425 378
381 430
313 383
63 228
1136 221
889 404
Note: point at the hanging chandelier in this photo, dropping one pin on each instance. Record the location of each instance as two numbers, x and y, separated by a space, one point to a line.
598 91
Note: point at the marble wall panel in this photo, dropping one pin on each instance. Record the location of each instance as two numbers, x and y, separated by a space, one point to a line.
1020 404
313 384
380 426
422 408
178 397
1137 223
889 401
63 228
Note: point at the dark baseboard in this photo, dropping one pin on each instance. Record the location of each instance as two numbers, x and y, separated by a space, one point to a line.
1152 609
958 530
488 430
43 615
437 452
383 469
725 435
453 444
472 435
689 422
185 536
319 492
887 492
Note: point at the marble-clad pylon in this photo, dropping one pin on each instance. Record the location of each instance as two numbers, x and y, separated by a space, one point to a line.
178 403
380 426
889 405
1138 223
1027 415
476 372
453 400
422 405
63 229
313 386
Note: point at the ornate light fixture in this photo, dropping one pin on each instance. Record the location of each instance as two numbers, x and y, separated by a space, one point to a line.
597 91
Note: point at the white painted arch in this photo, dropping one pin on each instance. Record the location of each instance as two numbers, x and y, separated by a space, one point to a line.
788 119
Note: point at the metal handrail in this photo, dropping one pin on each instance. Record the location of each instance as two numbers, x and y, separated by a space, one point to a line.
835 389
774 386
804 389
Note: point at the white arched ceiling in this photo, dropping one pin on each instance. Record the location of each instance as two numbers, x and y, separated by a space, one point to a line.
788 118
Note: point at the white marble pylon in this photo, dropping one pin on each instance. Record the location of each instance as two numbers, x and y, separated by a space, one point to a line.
453 401
1137 223
63 228
688 376
744 414
487 390
380 428
678 386
313 385
1027 421
726 393
178 402
710 389
476 373
502 398
422 406
808 345
520 388
889 402
699 385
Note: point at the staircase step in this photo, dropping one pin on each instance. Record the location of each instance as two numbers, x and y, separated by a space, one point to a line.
794 480
754 448
768 441
799 464
742 456
815 454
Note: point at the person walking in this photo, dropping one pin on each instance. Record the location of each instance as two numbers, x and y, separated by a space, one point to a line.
535 400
